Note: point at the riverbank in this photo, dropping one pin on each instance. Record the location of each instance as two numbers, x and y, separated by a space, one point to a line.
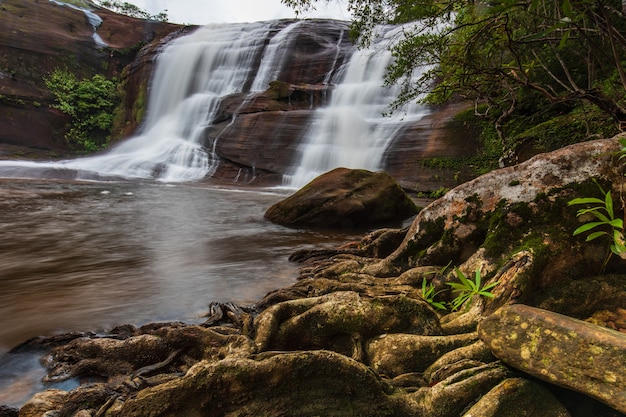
355 336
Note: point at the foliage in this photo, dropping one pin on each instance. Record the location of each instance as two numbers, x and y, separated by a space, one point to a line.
467 289
89 103
429 294
440 192
604 212
494 53
131 10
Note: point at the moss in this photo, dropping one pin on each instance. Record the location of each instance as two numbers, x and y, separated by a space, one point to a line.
430 232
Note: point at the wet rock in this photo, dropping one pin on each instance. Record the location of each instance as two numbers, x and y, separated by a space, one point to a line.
43 402
163 348
458 359
396 354
36 37
560 350
304 383
517 397
451 396
340 321
346 199
6 411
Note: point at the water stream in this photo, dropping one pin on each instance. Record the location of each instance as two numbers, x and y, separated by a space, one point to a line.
354 129
78 256
144 239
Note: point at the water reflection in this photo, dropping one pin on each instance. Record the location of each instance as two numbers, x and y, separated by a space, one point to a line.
89 256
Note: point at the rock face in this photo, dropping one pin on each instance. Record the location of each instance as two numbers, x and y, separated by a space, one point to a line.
256 136
561 350
346 199
37 37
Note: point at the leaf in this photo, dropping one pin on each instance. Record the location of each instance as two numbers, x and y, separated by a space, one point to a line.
587 226
567 8
477 279
609 204
595 235
490 286
463 279
585 200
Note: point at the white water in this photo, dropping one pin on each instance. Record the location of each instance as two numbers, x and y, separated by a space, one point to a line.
195 72
352 131
274 58
94 20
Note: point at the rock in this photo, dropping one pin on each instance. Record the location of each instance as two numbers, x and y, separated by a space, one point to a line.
43 402
518 397
560 350
451 396
458 359
36 37
511 221
298 383
340 321
163 348
396 354
346 199
6 411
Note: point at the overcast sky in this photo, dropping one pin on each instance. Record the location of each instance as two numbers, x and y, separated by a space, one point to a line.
212 11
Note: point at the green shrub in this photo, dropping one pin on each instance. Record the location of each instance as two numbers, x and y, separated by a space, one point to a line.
89 103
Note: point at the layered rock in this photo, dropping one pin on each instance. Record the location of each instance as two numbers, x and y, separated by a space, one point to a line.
37 37
255 135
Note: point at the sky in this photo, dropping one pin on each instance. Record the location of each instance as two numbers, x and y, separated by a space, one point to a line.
201 12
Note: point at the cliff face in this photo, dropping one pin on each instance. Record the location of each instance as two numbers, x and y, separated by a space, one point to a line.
255 136
38 36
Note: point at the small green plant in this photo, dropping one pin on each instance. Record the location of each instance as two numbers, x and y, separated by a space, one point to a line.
604 213
429 294
440 192
467 289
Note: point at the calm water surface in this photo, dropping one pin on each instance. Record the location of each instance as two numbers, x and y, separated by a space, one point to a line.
89 256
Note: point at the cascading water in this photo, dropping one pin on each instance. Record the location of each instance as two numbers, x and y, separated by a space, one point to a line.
352 131
94 20
194 73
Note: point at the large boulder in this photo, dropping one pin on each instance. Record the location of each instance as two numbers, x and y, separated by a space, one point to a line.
345 198
561 350
513 222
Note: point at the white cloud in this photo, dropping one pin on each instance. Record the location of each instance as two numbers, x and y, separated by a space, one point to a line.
212 11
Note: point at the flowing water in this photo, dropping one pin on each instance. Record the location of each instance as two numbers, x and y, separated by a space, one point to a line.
354 129
89 256
144 240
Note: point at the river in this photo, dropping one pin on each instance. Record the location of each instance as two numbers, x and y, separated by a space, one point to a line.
87 256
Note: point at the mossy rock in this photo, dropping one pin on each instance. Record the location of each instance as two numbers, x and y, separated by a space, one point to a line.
345 198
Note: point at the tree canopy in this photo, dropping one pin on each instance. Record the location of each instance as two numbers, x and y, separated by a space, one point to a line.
497 52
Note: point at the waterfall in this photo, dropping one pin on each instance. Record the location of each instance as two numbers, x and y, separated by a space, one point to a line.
193 73
94 20
352 131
